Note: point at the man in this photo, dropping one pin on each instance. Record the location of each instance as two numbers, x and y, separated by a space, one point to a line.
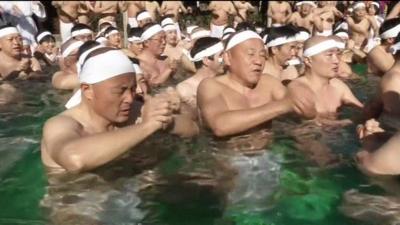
278 13
143 17
244 99
360 24
221 10
46 52
207 56
243 8
67 12
67 77
157 69
113 37
133 7
13 63
84 137
82 32
321 57
173 8
380 59
304 17
135 43
282 46
107 9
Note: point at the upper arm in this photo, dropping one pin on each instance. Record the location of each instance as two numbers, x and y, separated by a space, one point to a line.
376 60
348 97
395 11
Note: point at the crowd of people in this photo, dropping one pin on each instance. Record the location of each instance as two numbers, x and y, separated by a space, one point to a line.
231 77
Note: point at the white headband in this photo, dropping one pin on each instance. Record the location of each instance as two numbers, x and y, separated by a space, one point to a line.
342 35
99 68
74 46
280 41
200 34
143 15
42 35
111 33
306 2
241 37
394 48
324 33
190 29
212 50
84 55
101 40
376 4
169 27
167 21
340 45
135 39
151 31
293 62
320 47
302 36
391 33
229 30
359 5
81 32
8 30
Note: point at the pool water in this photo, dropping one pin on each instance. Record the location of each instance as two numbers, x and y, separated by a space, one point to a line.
188 184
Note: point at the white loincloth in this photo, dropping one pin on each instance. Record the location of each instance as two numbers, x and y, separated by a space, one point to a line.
132 22
217 31
65 30
324 33
277 25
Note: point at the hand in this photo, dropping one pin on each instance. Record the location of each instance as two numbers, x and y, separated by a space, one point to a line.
370 127
302 99
156 111
173 64
24 64
174 99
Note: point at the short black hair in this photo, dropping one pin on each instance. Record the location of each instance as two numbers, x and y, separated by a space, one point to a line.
299 29
245 26
201 44
47 38
389 24
80 26
86 46
109 29
135 31
283 31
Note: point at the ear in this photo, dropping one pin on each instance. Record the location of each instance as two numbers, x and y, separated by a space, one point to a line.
274 50
87 91
227 58
307 61
390 40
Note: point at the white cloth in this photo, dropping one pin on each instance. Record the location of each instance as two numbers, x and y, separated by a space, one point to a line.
65 30
324 33
217 31
132 22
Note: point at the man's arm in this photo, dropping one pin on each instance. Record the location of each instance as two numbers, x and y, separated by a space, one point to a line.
395 12
375 58
182 7
64 143
348 97
224 121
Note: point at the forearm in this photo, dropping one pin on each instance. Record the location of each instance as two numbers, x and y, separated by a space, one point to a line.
157 80
238 121
93 151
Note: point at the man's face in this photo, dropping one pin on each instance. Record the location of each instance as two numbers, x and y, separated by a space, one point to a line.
171 37
48 46
114 40
143 23
360 13
247 61
305 9
84 37
71 59
11 45
216 65
136 48
113 98
326 64
371 10
286 52
156 44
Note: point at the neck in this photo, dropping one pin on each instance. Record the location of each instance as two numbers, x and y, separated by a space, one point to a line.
315 79
240 86
148 54
96 122
275 62
6 56
205 72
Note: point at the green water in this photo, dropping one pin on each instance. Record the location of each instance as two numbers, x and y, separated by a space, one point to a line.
307 194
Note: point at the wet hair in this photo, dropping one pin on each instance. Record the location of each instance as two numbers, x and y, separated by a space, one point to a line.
47 38
245 26
200 45
109 29
86 46
283 31
389 24
80 26
135 31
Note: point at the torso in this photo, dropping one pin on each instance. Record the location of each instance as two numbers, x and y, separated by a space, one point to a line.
220 12
279 12
68 12
172 7
151 7
134 7
361 38
305 22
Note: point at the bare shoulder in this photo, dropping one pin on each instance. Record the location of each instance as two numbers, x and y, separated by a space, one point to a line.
60 123
337 83
209 85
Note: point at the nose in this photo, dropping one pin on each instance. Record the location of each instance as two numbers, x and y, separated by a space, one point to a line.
258 60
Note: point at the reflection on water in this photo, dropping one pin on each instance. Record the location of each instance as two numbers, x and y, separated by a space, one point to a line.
262 178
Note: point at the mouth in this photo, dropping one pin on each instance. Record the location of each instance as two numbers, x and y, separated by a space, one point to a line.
257 70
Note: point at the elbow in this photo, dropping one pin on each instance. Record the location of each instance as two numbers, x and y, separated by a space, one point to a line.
220 131
71 161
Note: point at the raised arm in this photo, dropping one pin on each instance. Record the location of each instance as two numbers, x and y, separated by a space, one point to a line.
395 12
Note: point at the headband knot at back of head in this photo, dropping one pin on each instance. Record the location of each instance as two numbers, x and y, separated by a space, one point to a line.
241 37
151 31
8 30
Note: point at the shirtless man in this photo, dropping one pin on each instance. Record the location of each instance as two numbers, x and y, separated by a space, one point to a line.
67 77
173 8
143 17
135 44
243 98
395 12
156 68
13 63
207 55
67 12
243 7
113 37
278 13
46 52
107 10
360 24
324 18
321 57
133 8
82 32
84 137
380 59
221 10
282 46
153 8
304 17
172 48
